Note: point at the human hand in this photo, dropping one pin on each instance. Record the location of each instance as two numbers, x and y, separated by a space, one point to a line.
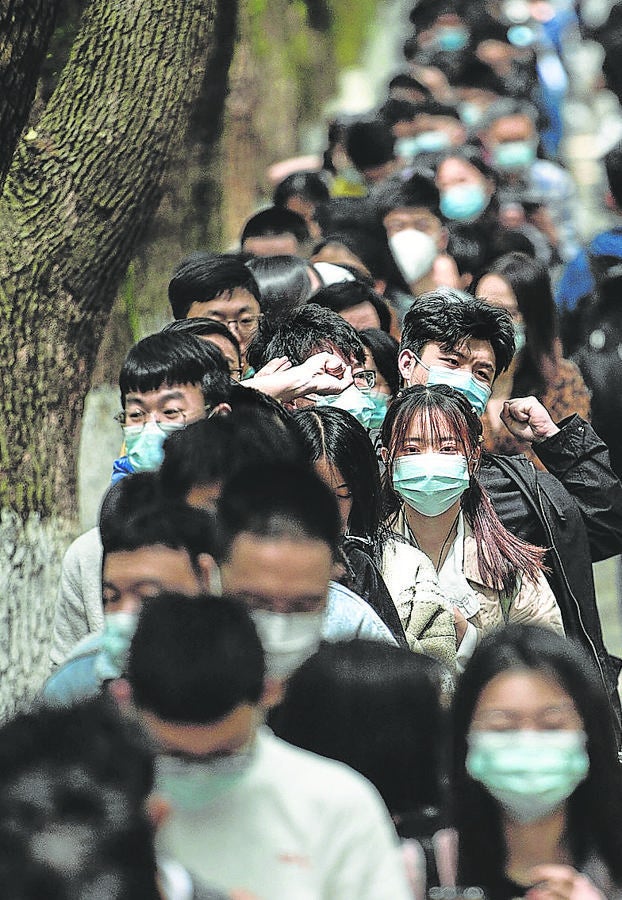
327 373
278 364
561 883
528 420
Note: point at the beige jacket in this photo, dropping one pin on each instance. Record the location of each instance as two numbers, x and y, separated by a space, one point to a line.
532 602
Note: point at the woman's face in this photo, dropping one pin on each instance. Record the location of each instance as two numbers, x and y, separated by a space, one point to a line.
381 385
496 291
525 700
421 437
455 171
331 475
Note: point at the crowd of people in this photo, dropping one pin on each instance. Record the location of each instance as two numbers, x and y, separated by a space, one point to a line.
335 635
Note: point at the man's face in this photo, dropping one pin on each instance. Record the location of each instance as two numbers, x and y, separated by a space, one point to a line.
473 356
174 403
417 217
229 351
280 574
238 309
509 130
131 576
272 245
203 743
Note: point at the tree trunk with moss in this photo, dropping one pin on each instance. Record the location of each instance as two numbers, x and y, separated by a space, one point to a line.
82 188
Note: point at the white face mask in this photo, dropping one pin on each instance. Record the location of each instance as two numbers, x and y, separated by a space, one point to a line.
414 252
288 639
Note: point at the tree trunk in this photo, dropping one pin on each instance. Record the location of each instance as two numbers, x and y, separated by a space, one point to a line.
25 31
79 195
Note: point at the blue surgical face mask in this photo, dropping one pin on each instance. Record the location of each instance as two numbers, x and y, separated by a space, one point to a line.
476 392
407 147
430 482
432 142
529 773
358 403
464 202
514 156
119 628
144 444
470 113
192 785
380 402
452 38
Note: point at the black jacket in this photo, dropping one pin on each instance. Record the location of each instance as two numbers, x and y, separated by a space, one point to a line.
577 515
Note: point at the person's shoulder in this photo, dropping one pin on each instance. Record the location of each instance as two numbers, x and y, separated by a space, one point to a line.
348 616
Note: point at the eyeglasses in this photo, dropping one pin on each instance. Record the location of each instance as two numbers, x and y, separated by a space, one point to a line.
174 417
236 372
365 379
244 325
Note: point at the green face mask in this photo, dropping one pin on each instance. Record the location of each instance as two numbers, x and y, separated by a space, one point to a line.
192 785
380 402
119 628
529 773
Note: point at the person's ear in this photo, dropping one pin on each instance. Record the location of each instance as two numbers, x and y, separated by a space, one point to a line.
384 455
121 692
466 280
443 240
406 362
158 810
210 573
221 409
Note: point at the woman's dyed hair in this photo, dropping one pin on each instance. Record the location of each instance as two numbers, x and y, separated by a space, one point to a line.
501 556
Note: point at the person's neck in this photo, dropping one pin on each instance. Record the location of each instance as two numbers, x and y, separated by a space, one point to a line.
434 534
535 843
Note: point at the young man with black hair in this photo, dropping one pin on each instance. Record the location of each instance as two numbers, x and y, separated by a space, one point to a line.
279 550
574 508
162 384
275 231
217 286
75 812
146 542
247 809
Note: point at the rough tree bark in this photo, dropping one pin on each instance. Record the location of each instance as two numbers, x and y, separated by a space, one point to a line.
25 31
80 191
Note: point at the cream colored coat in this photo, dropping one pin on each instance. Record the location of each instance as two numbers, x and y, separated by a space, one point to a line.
532 602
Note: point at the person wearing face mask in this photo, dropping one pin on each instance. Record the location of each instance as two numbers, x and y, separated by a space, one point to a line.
245 809
517 283
536 779
161 386
467 188
278 551
146 542
575 507
431 438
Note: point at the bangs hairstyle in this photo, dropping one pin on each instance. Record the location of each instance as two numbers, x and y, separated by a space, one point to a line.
168 359
443 411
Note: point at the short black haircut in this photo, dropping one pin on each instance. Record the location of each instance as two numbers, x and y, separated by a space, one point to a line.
468 246
168 359
275 220
277 500
202 277
394 111
341 214
434 108
613 168
385 351
284 282
137 513
346 294
417 192
370 144
369 244
193 660
200 327
309 185
211 450
74 782
473 73
310 330
448 317
404 80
